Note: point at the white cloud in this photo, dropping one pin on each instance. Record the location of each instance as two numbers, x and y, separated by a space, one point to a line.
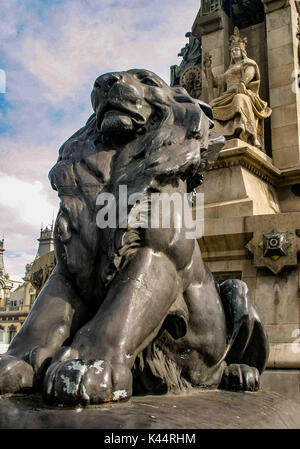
26 199
20 241
86 46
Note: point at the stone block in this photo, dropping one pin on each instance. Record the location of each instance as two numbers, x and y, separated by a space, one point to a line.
286 156
284 355
236 185
281 76
280 56
222 243
278 19
255 34
249 270
244 266
224 184
221 266
263 194
285 382
280 96
282 333
289 202
285 136
277 297
213 40
284 116
235 225
279 37
210 23
240 208
217 56
264 223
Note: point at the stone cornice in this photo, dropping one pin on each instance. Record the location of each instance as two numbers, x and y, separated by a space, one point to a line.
209 23
8 314
273 5
284 355
290 176
238 153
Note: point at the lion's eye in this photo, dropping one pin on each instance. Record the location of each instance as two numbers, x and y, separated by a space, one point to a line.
149 82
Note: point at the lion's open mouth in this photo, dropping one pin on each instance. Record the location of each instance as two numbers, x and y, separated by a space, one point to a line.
113 110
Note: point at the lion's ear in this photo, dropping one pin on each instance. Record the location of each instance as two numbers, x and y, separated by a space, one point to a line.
215 145
208 157
180 90
207 111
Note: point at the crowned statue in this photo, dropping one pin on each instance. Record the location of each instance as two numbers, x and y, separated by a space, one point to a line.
238 110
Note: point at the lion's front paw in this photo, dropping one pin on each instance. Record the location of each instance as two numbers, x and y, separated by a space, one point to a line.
15 375
78 382
240 377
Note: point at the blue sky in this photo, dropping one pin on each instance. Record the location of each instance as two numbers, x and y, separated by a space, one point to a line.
51 52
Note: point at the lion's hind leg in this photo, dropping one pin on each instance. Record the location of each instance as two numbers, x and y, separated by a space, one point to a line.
248 347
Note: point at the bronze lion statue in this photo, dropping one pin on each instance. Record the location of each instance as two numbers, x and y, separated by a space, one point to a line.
133 309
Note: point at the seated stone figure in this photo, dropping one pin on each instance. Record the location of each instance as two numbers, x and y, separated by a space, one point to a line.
131 309
238 110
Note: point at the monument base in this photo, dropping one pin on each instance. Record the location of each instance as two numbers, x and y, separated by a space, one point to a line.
241 183
210 409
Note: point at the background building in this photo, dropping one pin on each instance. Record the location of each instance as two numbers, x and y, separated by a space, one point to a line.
17 298
7 287
252 197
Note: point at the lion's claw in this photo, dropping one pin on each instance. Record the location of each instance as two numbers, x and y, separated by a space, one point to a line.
79 382
240 378
15 375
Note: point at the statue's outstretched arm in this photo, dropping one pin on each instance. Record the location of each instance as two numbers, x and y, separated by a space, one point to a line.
212 81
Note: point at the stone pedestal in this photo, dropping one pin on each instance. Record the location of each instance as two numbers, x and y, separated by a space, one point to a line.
248 194
247 197
274 285
214 409
241 183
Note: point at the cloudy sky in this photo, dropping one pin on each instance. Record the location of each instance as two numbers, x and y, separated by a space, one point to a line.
51 52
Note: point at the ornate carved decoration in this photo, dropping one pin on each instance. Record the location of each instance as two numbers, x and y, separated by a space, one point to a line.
274 244
190 79
274 249
273 5
188 73
257 163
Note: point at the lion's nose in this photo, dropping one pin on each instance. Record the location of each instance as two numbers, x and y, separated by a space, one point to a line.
109 79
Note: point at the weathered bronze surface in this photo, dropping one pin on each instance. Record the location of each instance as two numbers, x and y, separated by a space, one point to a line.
133 309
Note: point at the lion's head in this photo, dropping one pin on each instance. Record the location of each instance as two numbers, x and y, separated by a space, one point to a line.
167 128
133 102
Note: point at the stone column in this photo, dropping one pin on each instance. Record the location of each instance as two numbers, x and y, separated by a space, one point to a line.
213 30
282 44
